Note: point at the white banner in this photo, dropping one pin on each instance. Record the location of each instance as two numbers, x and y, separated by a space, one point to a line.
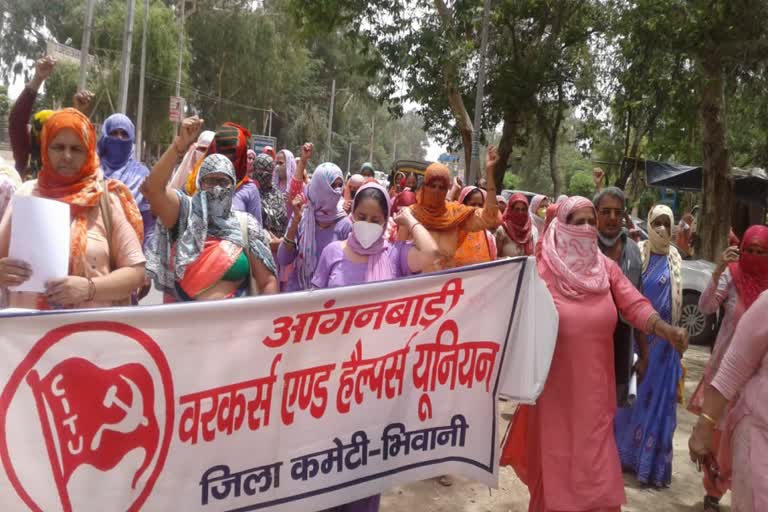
294 402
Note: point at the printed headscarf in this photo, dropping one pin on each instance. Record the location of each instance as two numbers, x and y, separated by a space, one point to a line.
431 208
193 157
36 136
274 215
197 223
538 222
572 255
518 224
116 156
263 167
231 140
324 205
750 273
466 191
290 170
380 267
81 191
658 244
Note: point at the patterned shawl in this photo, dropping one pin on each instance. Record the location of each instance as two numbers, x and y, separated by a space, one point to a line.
165 266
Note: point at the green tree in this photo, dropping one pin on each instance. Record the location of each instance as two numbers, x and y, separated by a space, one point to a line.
581 185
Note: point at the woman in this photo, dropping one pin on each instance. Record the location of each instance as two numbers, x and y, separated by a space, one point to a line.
285 169
538 212
350 189
231 140
398 184
479 246
645 431
366 256
516 236
311 231
740 277
274 216
449 222
563 446
194 155
741 382
105 265
203 250
115 150
683 238
411 182
501 202
251 160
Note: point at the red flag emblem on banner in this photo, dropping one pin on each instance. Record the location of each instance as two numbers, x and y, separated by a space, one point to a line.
97 416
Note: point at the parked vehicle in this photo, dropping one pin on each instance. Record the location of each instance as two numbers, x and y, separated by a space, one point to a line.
696 275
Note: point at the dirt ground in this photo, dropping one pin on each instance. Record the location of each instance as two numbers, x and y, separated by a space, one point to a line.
684 495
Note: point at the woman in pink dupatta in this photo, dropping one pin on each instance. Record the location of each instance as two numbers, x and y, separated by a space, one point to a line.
742 383
563 447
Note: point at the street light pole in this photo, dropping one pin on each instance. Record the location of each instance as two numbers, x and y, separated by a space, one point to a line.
330 120
140 113
474 168
181 58
85 46
125 71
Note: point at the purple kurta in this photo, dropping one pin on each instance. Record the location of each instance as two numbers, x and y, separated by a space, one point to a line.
247 199
335 269
323 237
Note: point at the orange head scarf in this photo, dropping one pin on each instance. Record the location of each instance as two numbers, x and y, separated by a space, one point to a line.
431 208
81 191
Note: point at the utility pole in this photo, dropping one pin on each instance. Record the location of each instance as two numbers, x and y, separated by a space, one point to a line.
330 121
474 167
269 133
349 161
181 58
125 67
373 130
140 113
85 46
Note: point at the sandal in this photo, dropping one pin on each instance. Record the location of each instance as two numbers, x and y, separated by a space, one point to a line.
711 504
446 481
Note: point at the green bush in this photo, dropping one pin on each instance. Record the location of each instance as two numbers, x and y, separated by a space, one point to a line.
511 181
581 184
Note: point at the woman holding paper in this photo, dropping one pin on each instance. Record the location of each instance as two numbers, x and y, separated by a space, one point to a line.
203 249
563 448
106 262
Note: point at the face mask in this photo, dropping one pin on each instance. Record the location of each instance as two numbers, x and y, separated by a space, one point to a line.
219 202
116 152
577 246
367 233
263 178
337 189
609 242
542 212
519 218
661 231
280 171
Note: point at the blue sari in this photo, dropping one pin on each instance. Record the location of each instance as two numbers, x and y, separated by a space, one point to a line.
644 432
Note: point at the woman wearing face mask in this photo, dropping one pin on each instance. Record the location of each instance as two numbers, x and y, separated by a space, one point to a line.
740 277
310 231
366 256
231 140
274 216
449 222
115 149
479 246
102 271
644 432
203 249
538 212
563 447
195 154
516 236
285 169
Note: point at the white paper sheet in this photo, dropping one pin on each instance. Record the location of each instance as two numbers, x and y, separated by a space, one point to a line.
40 236
633 384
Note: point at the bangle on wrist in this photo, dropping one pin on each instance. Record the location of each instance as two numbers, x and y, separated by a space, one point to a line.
708 418
91 289
413 226
290 242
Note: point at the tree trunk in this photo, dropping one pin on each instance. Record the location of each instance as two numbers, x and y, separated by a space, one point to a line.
557 180
717 193
506 145
629 166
